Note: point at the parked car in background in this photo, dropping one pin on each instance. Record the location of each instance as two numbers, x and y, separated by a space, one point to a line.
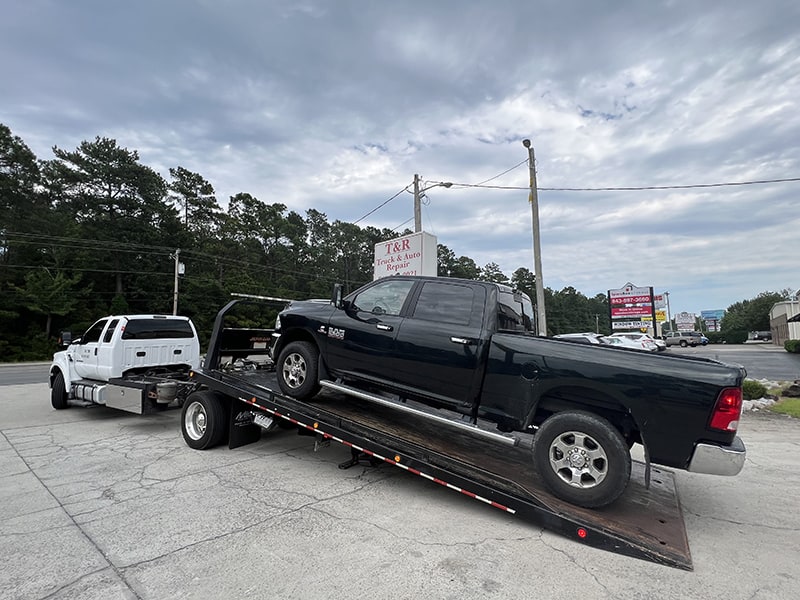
622 342
760 336
581 338
660 342
644 341
686 338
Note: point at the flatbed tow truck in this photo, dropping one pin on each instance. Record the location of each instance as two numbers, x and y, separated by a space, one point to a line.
239 399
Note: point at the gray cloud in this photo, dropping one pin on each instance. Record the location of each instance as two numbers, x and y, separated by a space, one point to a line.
335 106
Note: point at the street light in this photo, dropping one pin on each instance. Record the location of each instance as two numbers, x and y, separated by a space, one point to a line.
533 198
418 197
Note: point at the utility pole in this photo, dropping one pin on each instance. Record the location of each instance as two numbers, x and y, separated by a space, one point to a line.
417 208
533 198
669 315
176 256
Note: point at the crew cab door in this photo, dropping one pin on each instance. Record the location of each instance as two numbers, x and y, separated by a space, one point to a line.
439 346
361 337
85 356
104 367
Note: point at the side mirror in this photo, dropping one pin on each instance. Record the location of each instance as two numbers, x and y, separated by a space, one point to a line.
337 298
65 339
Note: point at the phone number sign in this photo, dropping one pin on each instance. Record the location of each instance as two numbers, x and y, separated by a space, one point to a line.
631 307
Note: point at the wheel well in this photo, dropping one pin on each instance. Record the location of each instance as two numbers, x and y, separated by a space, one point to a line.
293 335
53 372
591 401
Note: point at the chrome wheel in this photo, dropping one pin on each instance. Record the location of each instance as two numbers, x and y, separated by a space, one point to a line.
578 459
294 370
195 421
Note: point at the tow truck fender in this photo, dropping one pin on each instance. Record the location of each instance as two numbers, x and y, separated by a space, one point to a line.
61 362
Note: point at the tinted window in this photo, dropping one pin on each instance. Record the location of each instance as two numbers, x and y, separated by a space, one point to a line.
385 298
446 303
514 311
110 331
94 332
150 329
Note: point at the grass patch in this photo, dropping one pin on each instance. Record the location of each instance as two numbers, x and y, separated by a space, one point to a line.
787 406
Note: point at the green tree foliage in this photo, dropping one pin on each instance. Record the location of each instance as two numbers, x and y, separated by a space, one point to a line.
195 200
114 199
569 311
492 272
753 314
47 294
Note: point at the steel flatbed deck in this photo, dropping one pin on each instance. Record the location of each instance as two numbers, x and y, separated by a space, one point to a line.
643 523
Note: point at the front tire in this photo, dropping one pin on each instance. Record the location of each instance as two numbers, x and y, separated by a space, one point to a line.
582 458
298 370
58 393
203 422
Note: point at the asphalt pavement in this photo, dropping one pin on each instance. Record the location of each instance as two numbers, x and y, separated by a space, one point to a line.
762 361
98 504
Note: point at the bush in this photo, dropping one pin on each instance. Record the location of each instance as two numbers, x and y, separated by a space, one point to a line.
735 336
792 346
715 337
753 390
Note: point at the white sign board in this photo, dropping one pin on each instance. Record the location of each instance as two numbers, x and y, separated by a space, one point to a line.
684 321
413 254
630 324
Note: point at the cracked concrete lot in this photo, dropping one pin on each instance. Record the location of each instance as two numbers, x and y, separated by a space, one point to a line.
98 504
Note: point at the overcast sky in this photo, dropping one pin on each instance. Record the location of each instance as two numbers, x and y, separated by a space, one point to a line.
335 105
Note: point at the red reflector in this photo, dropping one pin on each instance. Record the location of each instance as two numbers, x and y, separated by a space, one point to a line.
727 410
582 533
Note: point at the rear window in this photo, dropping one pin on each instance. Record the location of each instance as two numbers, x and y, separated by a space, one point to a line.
514 311
151 329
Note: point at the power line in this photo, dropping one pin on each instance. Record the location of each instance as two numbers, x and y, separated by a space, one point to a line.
381 205
501 174
105 244
405 189
631 188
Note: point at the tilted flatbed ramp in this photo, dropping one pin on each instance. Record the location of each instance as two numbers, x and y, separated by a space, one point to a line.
643 523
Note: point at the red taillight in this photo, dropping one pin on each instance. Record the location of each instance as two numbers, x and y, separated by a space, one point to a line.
727 410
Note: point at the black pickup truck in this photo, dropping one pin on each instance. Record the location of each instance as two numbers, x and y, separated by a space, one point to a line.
468 346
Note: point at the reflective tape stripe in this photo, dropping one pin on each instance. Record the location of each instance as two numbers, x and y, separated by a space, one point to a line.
391 461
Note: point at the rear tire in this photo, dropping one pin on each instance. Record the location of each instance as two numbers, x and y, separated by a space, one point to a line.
298 370
683 344
203 420
582 458
58 393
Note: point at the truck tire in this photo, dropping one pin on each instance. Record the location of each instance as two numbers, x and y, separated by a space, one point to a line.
203 420
683 344
58 393
582 458
298 370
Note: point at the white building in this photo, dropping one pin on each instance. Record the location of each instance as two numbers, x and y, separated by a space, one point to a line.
784 320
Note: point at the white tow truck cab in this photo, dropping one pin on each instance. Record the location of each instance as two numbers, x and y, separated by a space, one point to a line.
136 363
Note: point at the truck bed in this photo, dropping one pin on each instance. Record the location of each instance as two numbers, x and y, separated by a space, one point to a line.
643 523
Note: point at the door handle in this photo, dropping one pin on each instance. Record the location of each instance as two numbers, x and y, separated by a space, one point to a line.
383 327
460 340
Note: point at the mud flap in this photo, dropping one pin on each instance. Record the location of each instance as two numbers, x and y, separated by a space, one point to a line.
242 429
